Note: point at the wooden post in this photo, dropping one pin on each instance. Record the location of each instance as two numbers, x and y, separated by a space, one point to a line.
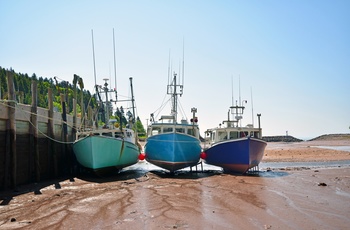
90 120
82 108
34 128
51 134
11 153
64 128
74 129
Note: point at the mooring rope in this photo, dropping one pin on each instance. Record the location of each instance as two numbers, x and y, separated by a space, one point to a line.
25 113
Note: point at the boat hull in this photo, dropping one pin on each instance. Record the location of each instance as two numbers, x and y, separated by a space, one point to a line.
99 152
237 155
173 151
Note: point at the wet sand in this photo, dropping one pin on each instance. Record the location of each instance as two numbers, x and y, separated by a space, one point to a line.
297 198
307 151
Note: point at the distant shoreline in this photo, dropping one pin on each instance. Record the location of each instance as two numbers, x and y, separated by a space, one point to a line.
284 138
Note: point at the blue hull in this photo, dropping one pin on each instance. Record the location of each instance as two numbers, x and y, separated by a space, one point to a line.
99 152
237 155
173 151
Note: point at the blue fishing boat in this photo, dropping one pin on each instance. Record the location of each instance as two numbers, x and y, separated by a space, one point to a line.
173 145
235 148
108 146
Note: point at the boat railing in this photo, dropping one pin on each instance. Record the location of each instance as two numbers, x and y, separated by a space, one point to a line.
126 134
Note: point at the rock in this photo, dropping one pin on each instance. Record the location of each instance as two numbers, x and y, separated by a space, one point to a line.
322 184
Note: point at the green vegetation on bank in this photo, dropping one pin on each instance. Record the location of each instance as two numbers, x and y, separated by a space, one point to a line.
22 84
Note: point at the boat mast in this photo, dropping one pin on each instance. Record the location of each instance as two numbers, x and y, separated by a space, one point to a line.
174 89
132 101
174 96
93 54
105 89
115 68
251 98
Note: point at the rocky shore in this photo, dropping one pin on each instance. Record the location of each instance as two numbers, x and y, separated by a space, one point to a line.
285 138
281 139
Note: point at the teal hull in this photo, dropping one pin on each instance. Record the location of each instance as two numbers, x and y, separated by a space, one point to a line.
98 152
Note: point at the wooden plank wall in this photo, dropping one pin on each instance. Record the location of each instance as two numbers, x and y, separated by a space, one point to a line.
50 151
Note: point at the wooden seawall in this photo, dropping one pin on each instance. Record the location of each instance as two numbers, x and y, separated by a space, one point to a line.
35 143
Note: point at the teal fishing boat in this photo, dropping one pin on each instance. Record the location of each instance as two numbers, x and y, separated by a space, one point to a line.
106 148
110 145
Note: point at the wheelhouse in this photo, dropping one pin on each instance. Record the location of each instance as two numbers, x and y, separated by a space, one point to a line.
222 134
166 125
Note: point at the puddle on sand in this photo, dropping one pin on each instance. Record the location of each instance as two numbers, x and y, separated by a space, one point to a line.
316 164
266 169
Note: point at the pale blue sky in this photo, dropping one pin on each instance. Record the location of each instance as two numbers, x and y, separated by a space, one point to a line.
295 55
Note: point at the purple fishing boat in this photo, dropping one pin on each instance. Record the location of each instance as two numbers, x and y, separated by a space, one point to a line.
235 148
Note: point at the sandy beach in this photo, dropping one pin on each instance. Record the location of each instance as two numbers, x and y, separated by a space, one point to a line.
276 198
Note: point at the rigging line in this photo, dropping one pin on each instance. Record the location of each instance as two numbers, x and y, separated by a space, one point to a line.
119 95
14 107
182 110
61 142
115 63
48 118
162 107
162 104
37 128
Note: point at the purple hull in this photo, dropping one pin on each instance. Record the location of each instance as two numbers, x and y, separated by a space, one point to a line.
237 155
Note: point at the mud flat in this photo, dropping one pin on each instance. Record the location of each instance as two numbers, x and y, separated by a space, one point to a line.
296 198
317 150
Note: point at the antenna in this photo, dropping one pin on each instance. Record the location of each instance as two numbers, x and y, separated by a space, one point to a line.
239 89
233 99
93 54
183 61
251 98
169 69
115 63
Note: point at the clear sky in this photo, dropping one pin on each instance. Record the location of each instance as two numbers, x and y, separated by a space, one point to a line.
294 56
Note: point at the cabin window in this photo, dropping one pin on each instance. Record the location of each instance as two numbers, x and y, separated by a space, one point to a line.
256 134
233 135
155 131
222 135
167 130
244 134
190 132
180 130
128 134
213 136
